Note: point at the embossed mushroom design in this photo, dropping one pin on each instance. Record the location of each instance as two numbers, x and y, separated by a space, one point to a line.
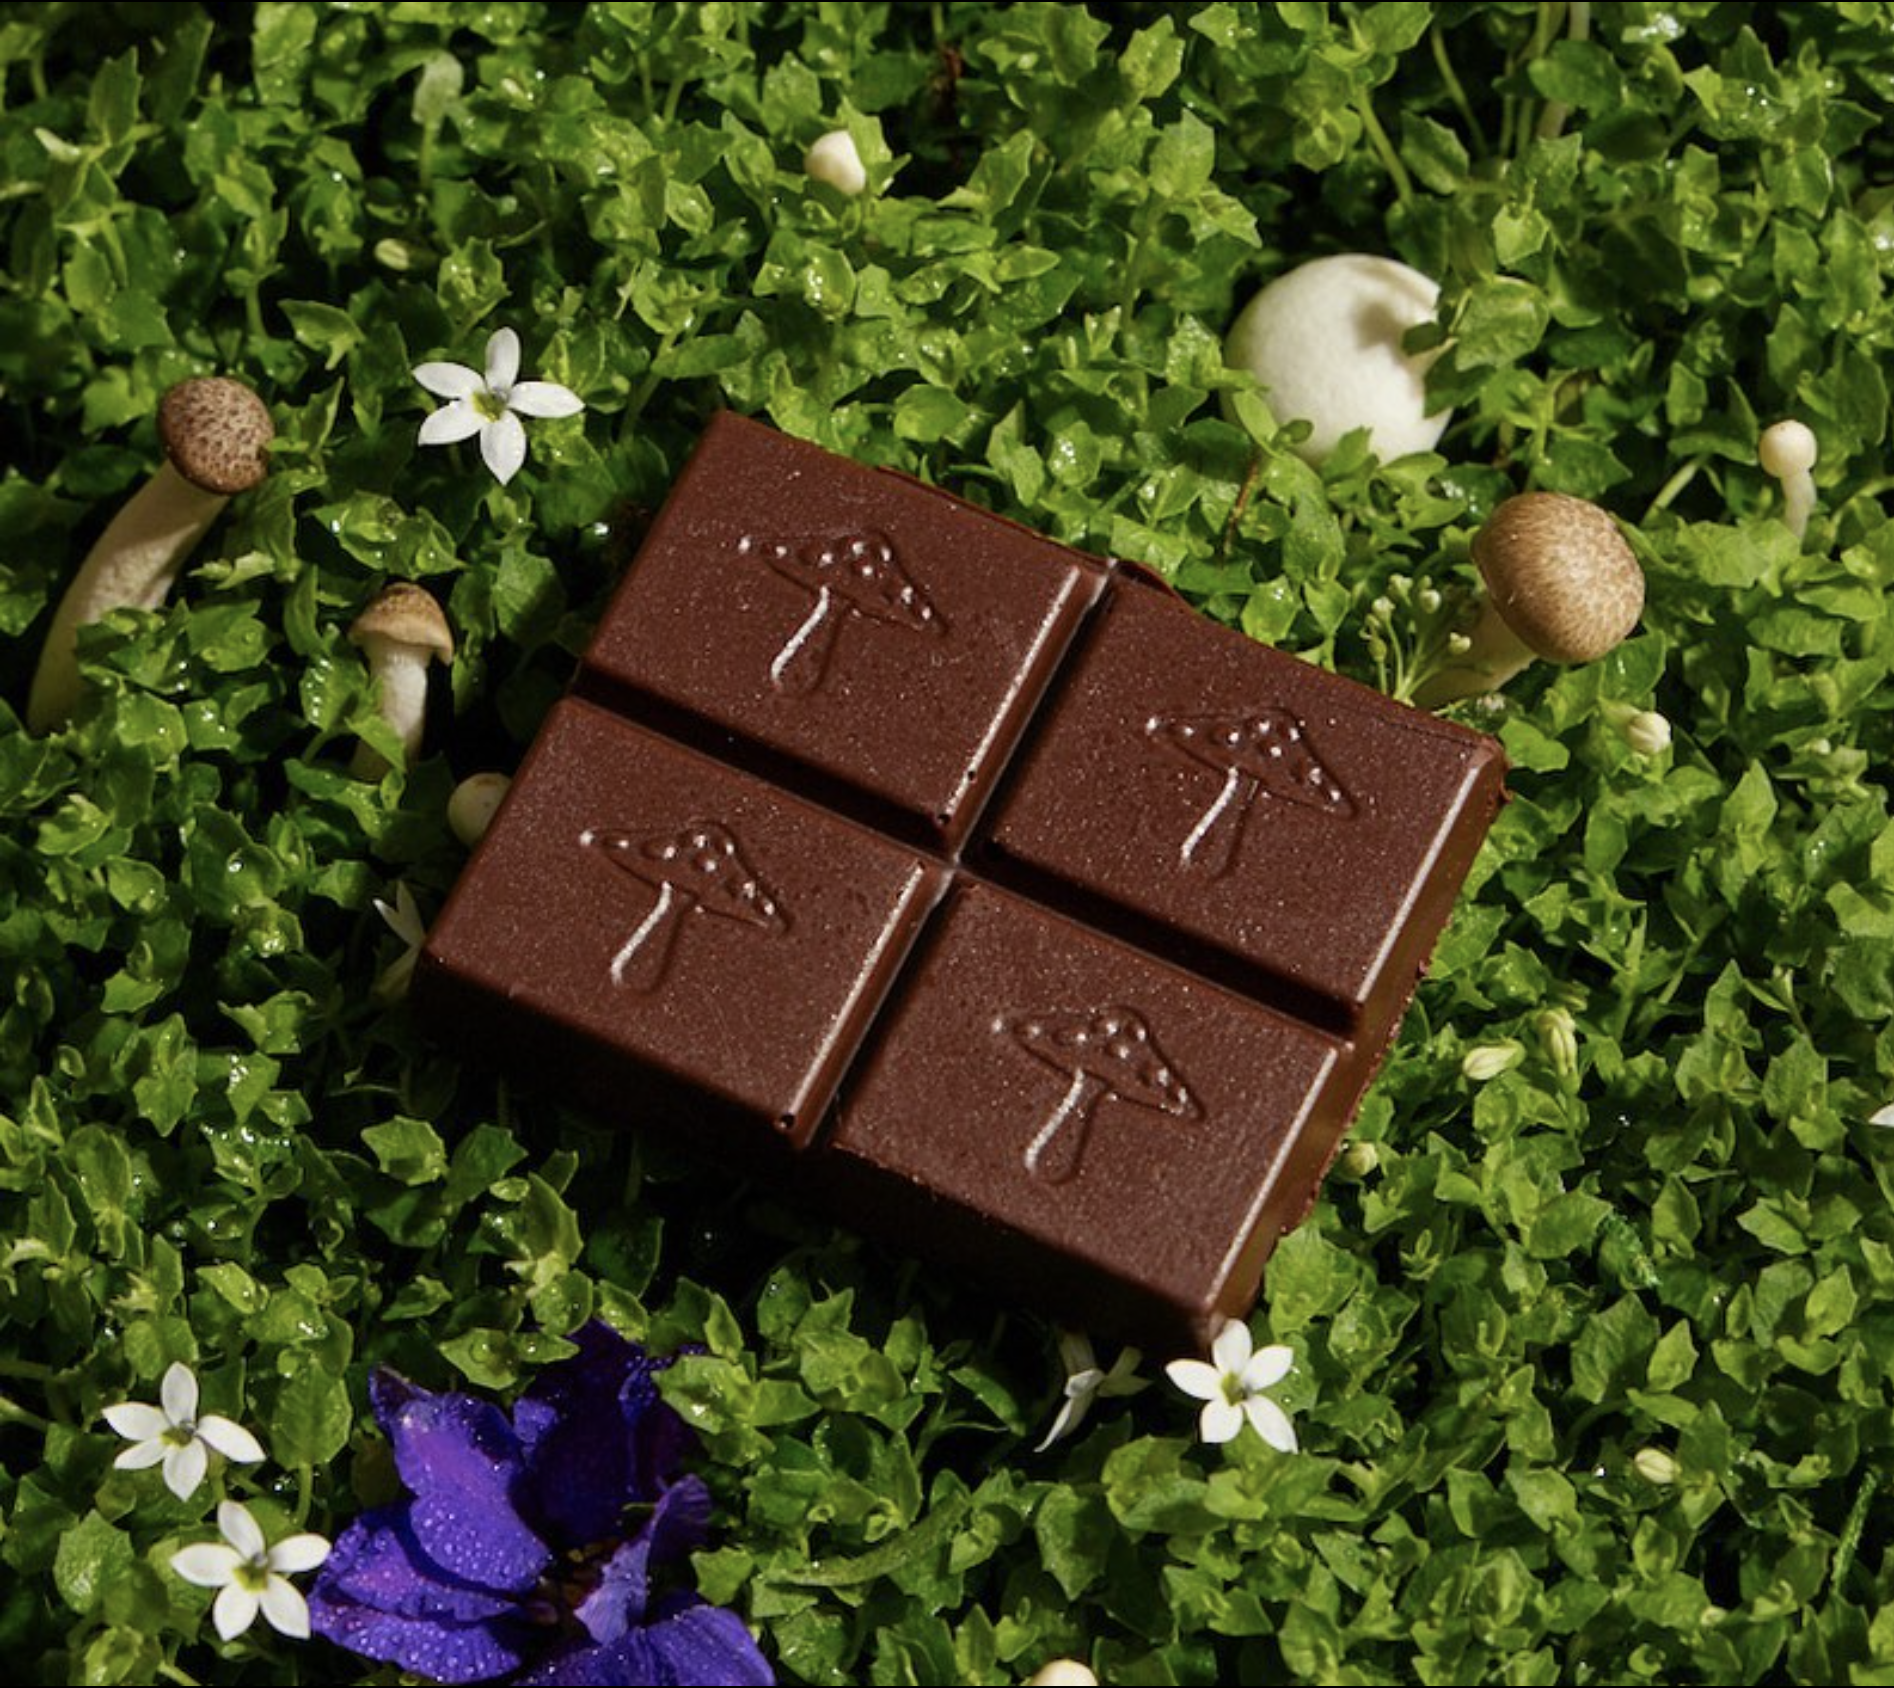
1108 1052
1267 752
858 575
701 870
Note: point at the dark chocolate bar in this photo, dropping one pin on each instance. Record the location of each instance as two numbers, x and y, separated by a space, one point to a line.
1040 925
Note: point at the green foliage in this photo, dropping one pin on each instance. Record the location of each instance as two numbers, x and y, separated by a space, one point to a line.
1591 1357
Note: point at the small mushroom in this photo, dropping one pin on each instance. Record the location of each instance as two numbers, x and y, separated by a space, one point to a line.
1324 341
858 575
1561 584
836 159
1265 752
400 633
471 806
1063 1673
1109 1052
698 870
1787 451
216 433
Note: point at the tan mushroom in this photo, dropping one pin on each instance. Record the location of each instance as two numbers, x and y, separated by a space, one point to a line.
1561 584
400 633
216 434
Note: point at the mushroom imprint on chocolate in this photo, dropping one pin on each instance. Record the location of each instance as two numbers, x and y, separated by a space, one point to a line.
857 575
1108 1052
698 870
1267 753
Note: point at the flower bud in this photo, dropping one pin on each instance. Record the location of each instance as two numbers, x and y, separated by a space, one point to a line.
1558 1037
1063 1673
1359 1159
1647 732
835 159
1656 1466
1489 1060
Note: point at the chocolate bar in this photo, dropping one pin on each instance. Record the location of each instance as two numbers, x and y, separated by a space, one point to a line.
978 887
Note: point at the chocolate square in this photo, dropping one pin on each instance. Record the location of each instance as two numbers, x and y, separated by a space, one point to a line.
1067 1117
865 636
677 937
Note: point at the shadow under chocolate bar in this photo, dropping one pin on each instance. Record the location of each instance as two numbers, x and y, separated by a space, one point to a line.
1036 923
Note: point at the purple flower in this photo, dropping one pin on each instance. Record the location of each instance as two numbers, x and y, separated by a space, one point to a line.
526 1550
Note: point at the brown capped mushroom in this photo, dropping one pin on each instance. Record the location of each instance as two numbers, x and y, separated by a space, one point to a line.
1561 584
400 633
216 434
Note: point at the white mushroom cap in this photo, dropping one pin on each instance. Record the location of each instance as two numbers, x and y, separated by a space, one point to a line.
471 807
1063 1673
1787 448
1560 574
1324 340
836 159
217 433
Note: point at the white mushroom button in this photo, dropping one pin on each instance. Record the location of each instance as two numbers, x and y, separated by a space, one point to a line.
471 807
216 434
1561 584
400 633
1787 451
836 159
1063 1673
1324 341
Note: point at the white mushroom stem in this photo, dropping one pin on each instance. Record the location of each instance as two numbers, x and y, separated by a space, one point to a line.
133 566
1787 451
398 671
1494 654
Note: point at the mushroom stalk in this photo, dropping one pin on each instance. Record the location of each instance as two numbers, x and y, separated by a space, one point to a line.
399 671
133 566
1494 654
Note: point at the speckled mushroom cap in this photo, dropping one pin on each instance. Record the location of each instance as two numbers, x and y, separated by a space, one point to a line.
217 433
407 614
1561 575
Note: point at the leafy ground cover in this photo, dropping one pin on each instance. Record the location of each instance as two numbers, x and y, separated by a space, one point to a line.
1591 1326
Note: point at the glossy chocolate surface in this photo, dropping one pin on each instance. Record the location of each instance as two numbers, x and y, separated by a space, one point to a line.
1040 925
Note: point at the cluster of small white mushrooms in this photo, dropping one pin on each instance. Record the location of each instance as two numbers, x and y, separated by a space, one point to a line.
216 434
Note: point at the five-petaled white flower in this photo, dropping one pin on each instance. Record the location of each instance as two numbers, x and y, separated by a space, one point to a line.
403 919
174 1434
1085 1382
1232 1386
250 1575
492 404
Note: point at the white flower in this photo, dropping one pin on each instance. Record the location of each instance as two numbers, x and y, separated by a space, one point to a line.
251 1575
491 405
404 920
1882 1116
1232 1387
1085 1382
174 1434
